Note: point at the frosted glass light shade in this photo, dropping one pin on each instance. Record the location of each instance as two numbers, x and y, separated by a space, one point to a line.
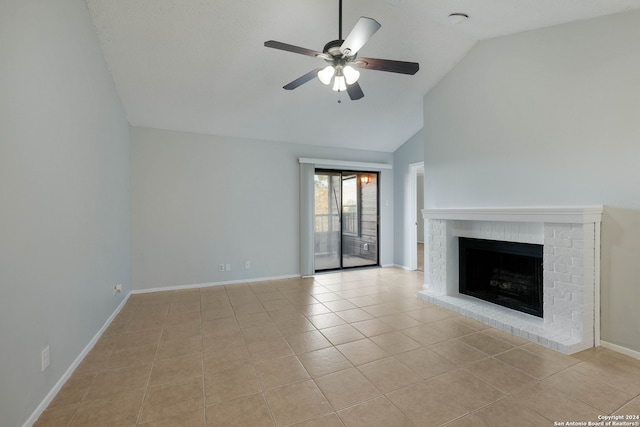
326 74
339 84
351 75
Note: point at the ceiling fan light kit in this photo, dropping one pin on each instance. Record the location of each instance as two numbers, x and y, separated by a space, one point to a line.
344 75
342 57
326 74
351 75
339 84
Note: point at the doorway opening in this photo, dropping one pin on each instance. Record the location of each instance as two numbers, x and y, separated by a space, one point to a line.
415 226
345 219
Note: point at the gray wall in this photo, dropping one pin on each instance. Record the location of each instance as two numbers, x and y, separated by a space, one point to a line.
64 194
410 152
549 118
200 201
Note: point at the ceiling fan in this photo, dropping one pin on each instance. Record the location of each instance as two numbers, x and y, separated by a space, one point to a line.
342 56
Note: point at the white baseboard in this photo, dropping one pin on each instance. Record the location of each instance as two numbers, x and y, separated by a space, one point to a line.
206 285
404 267
618 348
56 388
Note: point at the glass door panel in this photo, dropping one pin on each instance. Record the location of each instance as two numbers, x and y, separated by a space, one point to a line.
359 219
327 228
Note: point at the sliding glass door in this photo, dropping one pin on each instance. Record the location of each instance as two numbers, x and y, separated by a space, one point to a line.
327 224
345 219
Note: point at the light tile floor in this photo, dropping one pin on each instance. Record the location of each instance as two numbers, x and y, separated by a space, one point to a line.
353 348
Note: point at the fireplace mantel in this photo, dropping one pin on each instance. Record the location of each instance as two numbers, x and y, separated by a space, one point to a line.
559 214
571 269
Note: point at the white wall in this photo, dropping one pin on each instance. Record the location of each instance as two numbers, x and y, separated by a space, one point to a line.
549 117
410 152
64 195
200 201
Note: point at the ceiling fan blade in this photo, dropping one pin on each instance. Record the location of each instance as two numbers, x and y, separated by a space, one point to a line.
361 33
291 48
302 79
389 65
355 91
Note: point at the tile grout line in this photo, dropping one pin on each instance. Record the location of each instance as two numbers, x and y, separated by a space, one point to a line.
153 363
204 385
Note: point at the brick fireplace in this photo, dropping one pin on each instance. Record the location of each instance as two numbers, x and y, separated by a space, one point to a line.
571 269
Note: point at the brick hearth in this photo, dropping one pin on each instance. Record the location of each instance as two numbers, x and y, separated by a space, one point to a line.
571 264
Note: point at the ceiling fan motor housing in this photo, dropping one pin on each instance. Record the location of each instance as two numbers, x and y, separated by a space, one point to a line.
336 57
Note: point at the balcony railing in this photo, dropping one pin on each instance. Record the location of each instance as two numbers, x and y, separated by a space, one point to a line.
331 222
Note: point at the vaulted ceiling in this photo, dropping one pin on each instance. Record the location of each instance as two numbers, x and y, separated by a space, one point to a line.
201 65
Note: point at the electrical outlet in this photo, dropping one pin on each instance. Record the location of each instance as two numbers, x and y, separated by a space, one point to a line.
46 358
247 264
221 267
228 267
117 289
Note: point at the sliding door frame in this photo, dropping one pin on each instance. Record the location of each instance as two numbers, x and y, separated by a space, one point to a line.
307 168
359 213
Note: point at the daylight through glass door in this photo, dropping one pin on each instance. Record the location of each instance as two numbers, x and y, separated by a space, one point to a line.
345 219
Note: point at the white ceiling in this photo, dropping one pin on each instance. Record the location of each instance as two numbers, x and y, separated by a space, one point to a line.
201 66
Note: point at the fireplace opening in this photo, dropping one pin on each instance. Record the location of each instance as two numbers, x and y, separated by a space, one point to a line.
504 273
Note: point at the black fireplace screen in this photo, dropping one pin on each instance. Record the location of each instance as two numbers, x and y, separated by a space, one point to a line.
504 273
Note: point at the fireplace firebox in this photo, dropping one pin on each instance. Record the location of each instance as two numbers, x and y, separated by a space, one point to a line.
504 273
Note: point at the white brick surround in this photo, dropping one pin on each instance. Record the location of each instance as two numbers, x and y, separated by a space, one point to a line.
571 269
